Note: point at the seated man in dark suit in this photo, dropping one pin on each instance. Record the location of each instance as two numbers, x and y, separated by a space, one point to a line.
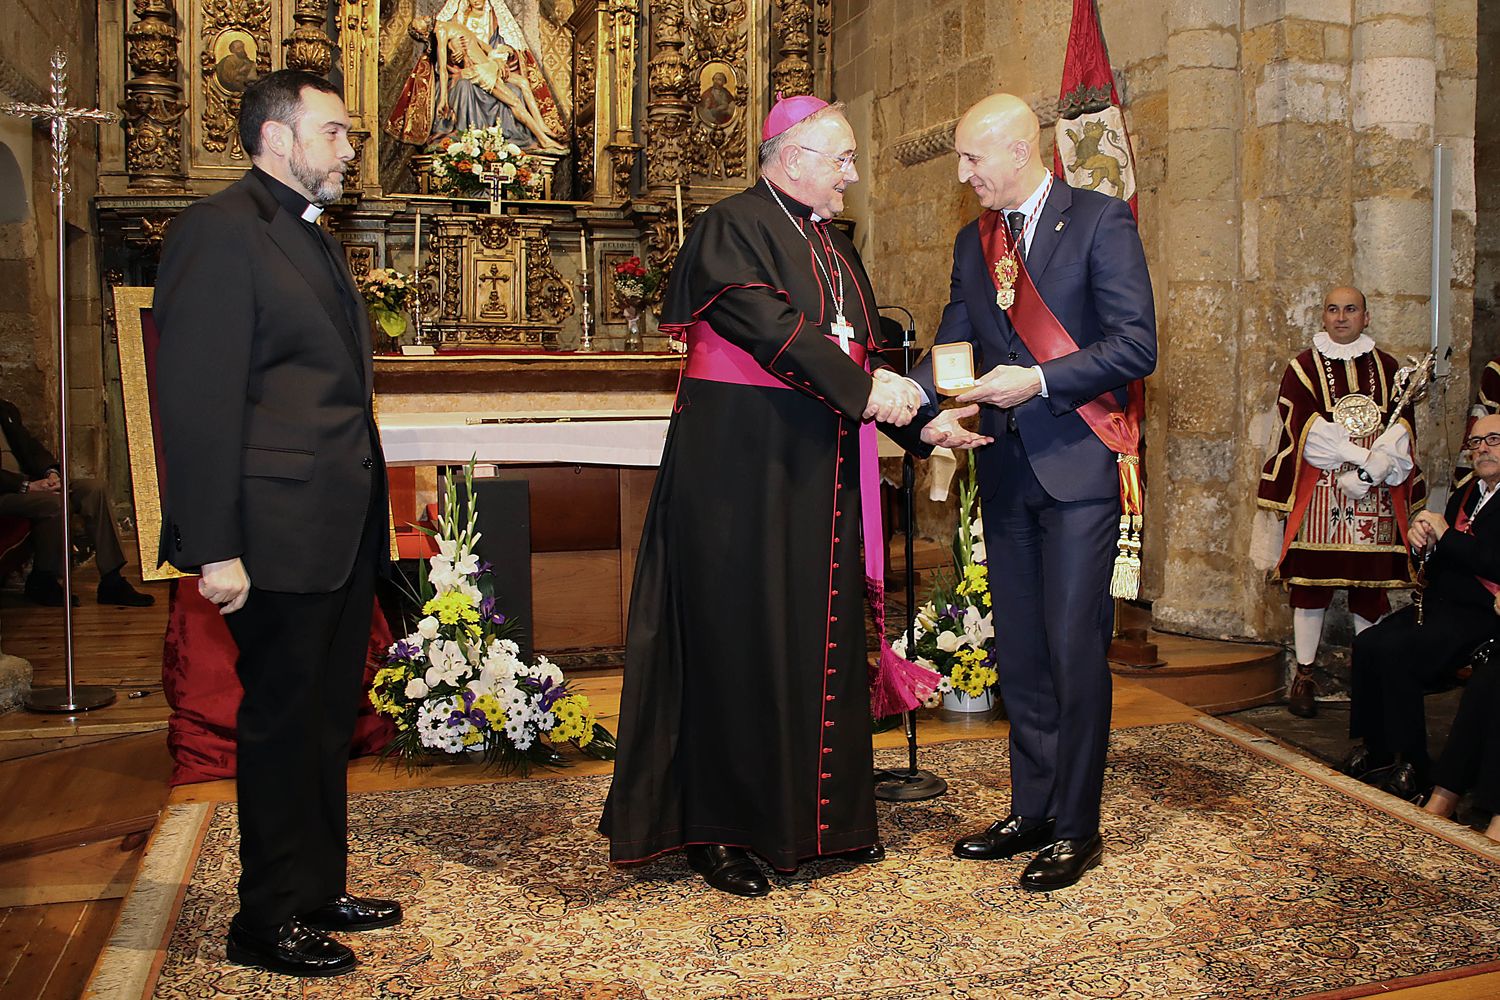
1471 761
30 487
1406 652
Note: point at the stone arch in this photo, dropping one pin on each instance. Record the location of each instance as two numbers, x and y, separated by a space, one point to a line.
14 206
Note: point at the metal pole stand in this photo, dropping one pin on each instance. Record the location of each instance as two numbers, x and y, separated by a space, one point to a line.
909 784
71 697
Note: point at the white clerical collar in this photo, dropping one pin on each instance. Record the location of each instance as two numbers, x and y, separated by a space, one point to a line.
311 212
1327 347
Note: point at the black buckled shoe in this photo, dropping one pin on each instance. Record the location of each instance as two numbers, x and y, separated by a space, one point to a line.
1005 838
1061 863
1406 781
728 869
872 855
46 591
295 950
354 913
1359 762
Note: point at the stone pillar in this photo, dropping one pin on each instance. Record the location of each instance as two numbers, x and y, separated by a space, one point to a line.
1457 24
1196 426
1487 193
1393 96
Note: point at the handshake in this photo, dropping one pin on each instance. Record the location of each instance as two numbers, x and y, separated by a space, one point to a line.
895 400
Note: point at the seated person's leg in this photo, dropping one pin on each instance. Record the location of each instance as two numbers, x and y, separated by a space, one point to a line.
92 504
44 511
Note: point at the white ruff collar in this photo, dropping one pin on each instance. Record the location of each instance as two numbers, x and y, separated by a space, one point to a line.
1325 346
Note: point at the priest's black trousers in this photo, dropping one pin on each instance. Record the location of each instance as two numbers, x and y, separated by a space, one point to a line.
301 663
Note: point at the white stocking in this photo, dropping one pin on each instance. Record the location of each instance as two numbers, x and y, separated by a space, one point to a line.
1307 633
1360 624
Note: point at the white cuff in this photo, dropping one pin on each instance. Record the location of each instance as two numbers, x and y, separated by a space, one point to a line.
1042 378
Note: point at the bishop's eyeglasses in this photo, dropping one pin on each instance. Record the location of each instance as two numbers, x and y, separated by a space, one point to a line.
1493 440
843 161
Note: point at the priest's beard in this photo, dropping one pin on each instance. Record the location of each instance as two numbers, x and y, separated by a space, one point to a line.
319 184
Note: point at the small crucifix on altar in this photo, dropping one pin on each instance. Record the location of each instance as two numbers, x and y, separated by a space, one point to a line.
495 180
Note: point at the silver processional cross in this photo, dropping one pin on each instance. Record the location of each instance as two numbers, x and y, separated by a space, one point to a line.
71 697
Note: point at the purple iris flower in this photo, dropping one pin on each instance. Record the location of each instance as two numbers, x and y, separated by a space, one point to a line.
402 650
472 714
487 611
484 568
551 693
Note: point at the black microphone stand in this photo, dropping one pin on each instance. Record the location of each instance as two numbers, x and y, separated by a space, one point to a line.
909 784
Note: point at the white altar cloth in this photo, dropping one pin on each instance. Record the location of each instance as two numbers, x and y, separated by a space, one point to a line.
566 437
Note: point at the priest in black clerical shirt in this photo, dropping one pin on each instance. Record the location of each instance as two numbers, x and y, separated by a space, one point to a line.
275 494
745 711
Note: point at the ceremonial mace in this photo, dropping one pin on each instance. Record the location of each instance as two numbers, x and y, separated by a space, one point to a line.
909 784
72 697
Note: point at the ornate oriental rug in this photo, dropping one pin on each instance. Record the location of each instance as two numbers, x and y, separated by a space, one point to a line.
1233 869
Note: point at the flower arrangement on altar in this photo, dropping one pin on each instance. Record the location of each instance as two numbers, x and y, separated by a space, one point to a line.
386 292
954 631
635 283
462 164
457 684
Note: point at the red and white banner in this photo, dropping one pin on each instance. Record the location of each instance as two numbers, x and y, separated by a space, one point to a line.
1093 146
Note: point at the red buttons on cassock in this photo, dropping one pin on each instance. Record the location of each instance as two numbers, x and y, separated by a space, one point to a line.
824 802
830 671
828 749
835 593
833 618
835 539
828 697
828 724
837 513
833 645
822 826
825 775
835 565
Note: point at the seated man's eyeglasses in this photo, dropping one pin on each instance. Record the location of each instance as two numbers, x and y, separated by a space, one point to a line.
843 161
1493 440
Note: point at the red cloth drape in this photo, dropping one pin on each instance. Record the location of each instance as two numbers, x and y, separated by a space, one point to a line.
198 679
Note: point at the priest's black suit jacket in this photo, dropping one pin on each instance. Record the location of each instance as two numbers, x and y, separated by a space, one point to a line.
264 382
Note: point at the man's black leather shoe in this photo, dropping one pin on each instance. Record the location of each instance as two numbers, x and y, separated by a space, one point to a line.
1360 762
354 913
44 590
728 869
872 855
1406 781
1062 863
1004 838
121 594
295 950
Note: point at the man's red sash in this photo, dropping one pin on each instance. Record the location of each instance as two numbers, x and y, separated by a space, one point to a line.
1119 429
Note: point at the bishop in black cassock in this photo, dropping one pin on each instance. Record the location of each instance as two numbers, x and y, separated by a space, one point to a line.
745 713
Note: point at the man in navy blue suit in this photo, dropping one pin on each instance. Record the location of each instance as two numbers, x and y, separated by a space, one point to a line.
1049 486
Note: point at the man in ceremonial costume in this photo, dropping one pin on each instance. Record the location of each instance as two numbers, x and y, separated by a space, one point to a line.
1342 473
1425 642
275 494
1050 288
745 713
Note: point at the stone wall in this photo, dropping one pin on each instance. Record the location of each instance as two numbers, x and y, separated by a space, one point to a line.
29 30
1282 146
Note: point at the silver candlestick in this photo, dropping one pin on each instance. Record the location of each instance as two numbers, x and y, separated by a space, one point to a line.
586 342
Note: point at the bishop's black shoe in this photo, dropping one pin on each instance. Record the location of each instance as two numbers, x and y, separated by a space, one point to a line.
114 589
728 869
46 591
1061 863
1360 762
353 913
1005 838
872 855
293 949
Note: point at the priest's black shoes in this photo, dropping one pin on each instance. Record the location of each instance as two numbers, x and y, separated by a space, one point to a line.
1061 863
293 949
1406 781
1007 837
728 869
353 913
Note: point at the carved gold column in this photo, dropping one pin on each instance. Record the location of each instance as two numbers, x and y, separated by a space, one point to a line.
669 110
309 47
621 17
153 104
793 72
359 49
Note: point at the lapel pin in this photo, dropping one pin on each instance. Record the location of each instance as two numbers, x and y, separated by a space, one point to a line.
1059 226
